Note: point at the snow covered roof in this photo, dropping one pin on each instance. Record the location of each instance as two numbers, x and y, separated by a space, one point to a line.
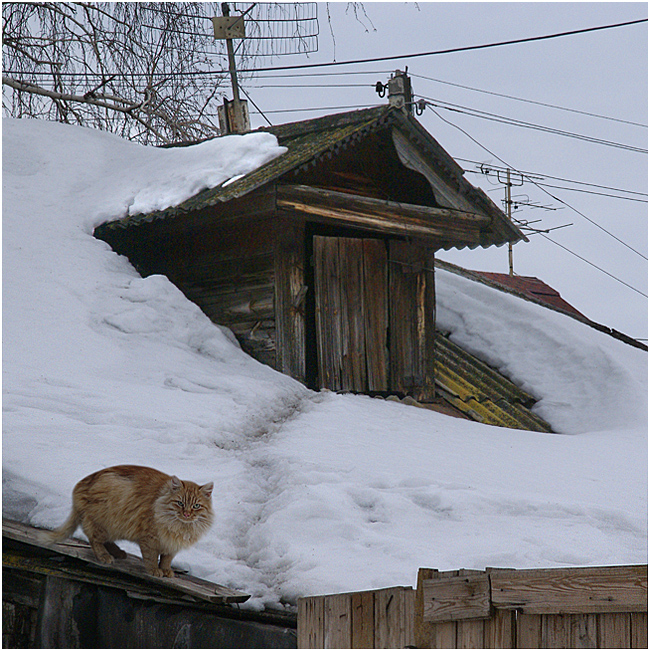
534 290
317 492
311 141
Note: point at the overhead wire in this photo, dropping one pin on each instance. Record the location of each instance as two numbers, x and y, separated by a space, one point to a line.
557 178
529 101
528 125
561 201
466 48
453 50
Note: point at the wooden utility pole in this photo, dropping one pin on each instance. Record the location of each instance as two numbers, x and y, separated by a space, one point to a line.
233 116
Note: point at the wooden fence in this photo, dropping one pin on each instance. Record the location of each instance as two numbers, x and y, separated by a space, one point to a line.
592 607
366 619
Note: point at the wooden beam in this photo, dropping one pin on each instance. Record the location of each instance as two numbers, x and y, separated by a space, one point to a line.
327 206
588 590
456 598
132 566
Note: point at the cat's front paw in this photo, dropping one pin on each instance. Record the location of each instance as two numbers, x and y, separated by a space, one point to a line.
168 573
156 573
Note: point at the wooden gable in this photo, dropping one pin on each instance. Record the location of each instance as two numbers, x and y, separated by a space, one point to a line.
322 261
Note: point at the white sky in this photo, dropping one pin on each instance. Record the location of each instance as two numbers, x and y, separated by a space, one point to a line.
602 72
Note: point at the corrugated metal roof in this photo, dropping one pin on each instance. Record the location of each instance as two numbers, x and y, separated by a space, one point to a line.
481 392
533 288
309 141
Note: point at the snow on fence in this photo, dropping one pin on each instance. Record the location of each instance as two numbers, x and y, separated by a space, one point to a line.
591 607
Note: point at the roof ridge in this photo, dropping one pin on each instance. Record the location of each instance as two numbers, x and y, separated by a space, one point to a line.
304 127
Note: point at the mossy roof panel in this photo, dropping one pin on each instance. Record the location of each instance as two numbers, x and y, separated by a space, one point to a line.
481 392
309 141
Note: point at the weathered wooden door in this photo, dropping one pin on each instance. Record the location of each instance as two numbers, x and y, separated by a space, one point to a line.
375 322
412 319
351 287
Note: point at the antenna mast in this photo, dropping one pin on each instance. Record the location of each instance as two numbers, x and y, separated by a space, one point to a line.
233 115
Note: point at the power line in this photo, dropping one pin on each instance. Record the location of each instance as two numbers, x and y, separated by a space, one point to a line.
529 101
452 50
570 189
558 178
568 250
493 117
576 189
569 206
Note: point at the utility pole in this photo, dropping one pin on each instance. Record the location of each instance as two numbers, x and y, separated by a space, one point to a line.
233 115
508 201
509 213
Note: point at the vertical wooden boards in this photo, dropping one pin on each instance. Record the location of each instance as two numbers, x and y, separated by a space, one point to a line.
351 315
311 622
363 620
412 319
370 619
290 293
639 630
394 617
375 278
587 607
327 280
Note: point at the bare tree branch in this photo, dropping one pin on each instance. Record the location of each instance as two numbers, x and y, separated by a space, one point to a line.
128 68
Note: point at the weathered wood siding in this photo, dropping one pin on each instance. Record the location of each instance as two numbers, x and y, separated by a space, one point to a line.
351 314
290 297
222 257
370 619
590 607
232 279
412 319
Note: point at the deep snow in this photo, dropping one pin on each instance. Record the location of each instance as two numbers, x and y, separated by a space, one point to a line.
315 492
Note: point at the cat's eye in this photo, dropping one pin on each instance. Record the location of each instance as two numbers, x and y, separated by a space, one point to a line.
196 506
180 503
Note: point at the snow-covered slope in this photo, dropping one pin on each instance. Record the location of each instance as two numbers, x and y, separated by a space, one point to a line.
314 493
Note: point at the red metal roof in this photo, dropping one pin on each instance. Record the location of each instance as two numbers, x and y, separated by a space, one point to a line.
533 288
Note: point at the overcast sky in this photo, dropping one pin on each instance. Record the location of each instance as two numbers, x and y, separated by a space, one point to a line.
603 73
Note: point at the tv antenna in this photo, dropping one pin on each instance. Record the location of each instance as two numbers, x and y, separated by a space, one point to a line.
508 180
262 29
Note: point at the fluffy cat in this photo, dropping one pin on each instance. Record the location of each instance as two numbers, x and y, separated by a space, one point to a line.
161 513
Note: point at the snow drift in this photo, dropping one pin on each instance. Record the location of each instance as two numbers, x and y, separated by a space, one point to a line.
314 492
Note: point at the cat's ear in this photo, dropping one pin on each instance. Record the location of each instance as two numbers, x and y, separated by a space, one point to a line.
175 482
207 489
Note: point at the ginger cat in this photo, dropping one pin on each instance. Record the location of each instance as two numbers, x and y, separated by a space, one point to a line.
161 513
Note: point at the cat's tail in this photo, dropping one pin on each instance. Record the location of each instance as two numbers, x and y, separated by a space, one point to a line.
66 530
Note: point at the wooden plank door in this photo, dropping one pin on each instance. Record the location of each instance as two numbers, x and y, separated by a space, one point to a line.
412 319
350 278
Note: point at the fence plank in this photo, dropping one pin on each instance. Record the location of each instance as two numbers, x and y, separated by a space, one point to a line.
311 622
614 631
430 634
363 620
456 598
443 635
338 621
529 631
639 631
584 631
470 634
556 631
392 609
500 629
572 591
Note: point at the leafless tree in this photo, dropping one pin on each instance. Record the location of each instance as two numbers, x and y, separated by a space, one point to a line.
137 69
